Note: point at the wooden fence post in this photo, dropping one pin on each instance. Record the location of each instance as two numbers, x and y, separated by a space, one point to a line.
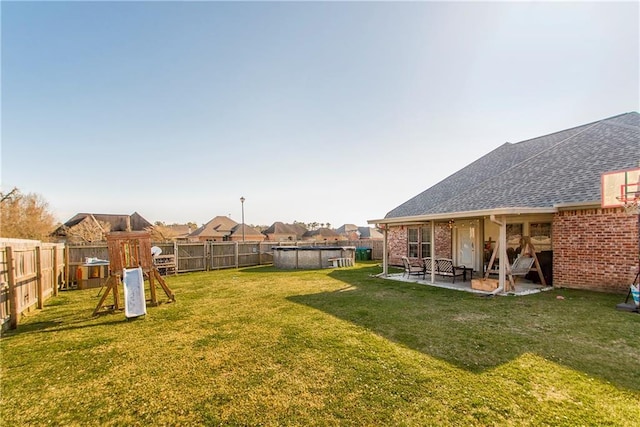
39 289
55 271
237 254
13 292
67 268
207 252
175 255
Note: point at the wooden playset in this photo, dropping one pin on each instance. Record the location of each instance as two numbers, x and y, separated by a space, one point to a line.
130 249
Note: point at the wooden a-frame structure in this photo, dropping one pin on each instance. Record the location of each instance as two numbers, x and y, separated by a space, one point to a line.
130 249
520 266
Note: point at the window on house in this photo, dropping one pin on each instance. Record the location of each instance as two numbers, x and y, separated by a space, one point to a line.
540 233
414 243
514 234
425 238
419 242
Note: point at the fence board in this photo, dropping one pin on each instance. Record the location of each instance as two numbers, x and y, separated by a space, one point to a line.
4 286
191 257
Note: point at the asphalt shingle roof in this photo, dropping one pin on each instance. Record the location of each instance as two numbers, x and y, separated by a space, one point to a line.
563 167
118 222
219 226
282 228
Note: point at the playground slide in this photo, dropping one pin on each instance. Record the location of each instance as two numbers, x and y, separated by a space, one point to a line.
134 300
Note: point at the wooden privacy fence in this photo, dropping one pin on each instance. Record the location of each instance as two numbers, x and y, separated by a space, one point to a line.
30 273
205 256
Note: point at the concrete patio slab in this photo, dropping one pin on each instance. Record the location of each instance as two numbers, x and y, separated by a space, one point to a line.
523 287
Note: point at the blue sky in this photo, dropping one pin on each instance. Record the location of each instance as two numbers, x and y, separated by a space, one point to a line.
327 111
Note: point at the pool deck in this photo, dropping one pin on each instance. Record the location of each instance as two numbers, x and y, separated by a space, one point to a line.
523 287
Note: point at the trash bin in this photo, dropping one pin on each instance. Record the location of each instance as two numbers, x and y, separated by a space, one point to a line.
363 254
368 253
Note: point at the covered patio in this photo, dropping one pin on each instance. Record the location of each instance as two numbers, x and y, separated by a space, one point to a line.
507 280
522 286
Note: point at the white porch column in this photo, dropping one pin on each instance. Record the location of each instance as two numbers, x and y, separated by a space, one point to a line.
432 251
502 268
385 262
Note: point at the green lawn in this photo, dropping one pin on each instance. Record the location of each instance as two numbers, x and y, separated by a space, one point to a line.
259 346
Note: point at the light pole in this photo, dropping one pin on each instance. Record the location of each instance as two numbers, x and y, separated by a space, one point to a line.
242 203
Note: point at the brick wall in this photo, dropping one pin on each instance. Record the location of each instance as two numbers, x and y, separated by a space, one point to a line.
595 249
397 242
443 241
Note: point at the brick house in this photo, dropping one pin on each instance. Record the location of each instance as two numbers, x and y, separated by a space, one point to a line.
224 229
353 232
218 229
244 232
547 188
281 232
323 235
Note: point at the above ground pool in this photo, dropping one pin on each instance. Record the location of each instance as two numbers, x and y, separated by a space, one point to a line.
310 257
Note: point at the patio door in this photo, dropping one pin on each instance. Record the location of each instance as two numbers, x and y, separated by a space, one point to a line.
466 244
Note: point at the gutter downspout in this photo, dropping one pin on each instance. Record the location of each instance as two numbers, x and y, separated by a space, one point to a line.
502 244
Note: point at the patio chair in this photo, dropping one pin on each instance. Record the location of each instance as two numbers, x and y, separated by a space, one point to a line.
446 268
427 262
410 268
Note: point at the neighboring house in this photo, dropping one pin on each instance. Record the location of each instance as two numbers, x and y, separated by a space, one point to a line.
354 232
281 232
323 235
180 231
219 229
547 188
250 234
224 229
88 227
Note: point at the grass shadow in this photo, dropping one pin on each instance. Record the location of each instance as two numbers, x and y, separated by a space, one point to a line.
582 331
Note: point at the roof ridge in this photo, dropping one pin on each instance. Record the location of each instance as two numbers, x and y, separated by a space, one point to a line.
566 130
621 125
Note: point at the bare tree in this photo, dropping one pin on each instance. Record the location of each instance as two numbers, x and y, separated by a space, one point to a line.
162 233
25 216
14 192
87 231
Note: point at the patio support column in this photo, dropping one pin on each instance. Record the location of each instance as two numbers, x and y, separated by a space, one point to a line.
502 250
432 251
502 268
385 263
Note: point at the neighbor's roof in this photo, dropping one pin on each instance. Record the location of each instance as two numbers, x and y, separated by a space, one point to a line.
282 228
369 233
118 222
324 232
219 226
181 230
362 232
346 228
540 173
248 231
